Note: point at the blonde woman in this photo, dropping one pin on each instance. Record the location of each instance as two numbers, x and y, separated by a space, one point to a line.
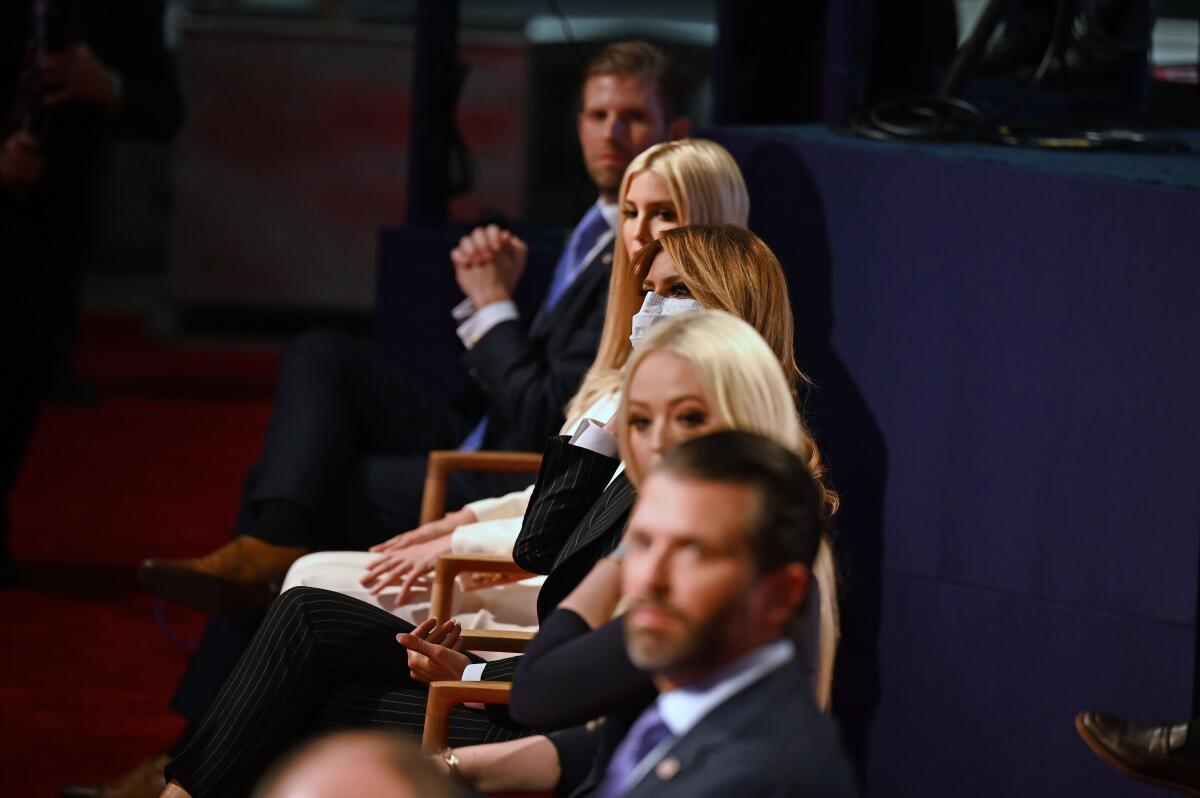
687 181
693 376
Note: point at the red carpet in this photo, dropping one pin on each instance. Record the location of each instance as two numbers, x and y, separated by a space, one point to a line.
155 468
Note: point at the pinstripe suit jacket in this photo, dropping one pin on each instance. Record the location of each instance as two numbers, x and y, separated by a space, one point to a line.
573 492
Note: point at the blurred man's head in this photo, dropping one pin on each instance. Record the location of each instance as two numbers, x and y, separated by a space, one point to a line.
719 548
353 764
632 98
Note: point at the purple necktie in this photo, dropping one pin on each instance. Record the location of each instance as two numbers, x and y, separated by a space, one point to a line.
570 263
647 732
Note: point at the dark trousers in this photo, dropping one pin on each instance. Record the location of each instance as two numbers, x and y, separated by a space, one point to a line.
347 441
320 661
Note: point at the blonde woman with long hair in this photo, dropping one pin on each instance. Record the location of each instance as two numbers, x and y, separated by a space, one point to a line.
686 181
693 376
749 392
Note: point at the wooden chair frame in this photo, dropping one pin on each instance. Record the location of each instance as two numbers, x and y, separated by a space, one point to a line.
444 463
444 695
433 506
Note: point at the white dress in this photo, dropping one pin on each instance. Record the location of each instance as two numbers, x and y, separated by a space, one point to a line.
510 607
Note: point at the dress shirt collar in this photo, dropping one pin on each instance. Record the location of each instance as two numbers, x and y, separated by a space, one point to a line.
684 707
610 212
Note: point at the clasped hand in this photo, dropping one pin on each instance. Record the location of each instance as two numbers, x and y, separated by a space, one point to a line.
488 263
435 651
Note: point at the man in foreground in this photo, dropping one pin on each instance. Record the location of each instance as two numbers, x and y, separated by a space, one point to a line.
353 764
717 565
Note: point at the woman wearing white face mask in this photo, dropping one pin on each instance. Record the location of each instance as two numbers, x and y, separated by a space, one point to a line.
657 309
670 184
577 510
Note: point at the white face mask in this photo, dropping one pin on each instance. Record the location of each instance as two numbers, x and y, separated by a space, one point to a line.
657 308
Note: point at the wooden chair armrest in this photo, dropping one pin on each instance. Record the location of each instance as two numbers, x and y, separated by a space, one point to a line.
512 642
453 460
444 695
444 463
454 564
449 566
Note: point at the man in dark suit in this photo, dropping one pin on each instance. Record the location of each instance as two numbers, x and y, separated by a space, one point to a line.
719 551
717 562
344 461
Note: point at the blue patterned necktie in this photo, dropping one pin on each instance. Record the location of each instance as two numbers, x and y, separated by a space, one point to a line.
570 264
573 258
646 733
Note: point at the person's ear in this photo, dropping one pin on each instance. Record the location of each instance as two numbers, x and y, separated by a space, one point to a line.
786 590
679 128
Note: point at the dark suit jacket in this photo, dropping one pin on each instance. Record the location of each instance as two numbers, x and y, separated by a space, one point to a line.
573 493
528 376
768 740
567 655
570 494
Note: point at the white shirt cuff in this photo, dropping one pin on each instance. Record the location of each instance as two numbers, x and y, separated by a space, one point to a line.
595 438
474 673
483 320
462 311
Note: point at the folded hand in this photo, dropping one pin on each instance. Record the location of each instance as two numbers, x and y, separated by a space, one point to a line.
404 567
434 651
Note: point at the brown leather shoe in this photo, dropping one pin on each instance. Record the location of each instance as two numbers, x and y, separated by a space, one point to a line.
144 781
244 573
1146 753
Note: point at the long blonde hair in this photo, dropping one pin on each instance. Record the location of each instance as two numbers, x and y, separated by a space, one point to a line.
748 388
706 186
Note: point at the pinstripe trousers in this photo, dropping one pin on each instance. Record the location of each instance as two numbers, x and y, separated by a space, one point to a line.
319 661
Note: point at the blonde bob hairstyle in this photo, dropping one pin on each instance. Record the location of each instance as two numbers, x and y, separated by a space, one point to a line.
746 387
706 187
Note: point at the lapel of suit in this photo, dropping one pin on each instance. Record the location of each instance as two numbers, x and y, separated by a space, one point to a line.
597 269
719 728
613 503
